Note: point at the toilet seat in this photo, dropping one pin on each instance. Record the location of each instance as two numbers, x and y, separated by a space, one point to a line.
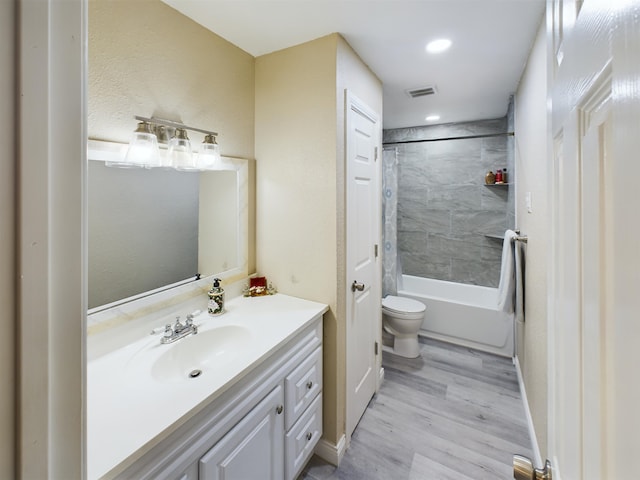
402 306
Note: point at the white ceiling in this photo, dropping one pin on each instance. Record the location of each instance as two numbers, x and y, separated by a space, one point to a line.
474 78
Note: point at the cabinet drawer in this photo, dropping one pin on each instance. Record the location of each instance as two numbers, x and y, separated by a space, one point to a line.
302 438
301 386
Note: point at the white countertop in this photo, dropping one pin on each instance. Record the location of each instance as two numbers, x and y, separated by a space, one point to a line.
129 410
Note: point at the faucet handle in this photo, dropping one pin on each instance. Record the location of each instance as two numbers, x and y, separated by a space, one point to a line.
168 331
178 325
189 321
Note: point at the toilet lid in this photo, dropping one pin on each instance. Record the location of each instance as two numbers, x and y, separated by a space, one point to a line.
402 304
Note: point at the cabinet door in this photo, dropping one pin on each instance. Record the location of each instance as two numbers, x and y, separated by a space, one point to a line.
254 448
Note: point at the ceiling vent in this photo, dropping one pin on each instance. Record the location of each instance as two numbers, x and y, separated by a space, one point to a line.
421 92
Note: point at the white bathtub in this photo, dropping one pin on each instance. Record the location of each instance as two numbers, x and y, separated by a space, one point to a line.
461 314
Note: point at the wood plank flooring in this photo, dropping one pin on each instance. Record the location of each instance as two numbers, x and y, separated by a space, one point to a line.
454 413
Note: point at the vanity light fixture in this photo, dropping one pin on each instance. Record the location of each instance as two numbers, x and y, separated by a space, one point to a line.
209 155
179 153
143 148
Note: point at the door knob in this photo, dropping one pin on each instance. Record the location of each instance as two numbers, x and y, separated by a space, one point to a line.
357 286
523 469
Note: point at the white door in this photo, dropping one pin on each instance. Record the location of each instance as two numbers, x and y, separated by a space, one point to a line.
594 311
362 270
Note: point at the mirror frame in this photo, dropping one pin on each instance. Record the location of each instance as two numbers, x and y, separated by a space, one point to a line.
104 151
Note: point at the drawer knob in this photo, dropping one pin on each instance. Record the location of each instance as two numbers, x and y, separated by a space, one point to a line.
279 409
309 435
309 385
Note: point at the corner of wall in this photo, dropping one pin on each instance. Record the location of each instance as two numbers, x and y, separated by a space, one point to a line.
8 90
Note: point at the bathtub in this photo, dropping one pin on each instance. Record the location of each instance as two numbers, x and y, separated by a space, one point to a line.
462 314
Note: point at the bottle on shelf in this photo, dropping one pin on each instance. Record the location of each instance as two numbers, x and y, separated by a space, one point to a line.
499 176
490 178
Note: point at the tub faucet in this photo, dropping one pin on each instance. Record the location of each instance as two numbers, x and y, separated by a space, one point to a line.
179 330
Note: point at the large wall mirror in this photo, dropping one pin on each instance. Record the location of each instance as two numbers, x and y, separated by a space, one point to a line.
153 228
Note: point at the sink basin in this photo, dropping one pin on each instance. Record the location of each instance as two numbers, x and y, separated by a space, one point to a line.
194 356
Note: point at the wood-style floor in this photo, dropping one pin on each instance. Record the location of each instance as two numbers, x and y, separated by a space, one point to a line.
455 413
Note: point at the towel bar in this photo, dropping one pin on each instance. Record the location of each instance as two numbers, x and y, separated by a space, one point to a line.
520 238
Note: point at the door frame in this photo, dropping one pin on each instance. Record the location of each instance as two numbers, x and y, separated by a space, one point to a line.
51 238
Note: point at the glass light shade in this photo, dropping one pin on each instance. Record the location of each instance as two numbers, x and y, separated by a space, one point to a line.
179 153
209 155
142 151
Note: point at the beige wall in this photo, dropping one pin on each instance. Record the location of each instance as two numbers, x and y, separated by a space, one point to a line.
7 245
300 148
532 176
296 189
147 59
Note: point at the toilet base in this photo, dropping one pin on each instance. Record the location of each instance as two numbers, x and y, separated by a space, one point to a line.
406 346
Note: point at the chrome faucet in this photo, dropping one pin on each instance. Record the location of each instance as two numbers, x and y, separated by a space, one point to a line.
179 330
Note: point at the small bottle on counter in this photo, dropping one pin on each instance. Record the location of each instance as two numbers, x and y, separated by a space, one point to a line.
499 176
216 299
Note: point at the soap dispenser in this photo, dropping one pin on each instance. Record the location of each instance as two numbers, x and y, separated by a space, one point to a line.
216 299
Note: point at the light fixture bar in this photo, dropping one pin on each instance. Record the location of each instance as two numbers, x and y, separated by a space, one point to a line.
169 123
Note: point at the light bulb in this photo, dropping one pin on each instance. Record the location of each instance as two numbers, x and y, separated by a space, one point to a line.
179 152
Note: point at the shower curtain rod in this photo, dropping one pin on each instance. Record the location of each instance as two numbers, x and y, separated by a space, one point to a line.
510 134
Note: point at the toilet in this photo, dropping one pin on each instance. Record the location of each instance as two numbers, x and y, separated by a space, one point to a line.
401 320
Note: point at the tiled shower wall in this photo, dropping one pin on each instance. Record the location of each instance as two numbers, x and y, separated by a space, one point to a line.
446 214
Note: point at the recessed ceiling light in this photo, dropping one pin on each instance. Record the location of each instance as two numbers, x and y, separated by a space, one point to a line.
432 118
438 46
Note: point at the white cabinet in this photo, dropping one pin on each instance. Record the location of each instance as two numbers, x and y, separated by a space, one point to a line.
263 428
253 448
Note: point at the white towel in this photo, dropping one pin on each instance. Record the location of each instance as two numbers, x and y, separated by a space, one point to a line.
506 288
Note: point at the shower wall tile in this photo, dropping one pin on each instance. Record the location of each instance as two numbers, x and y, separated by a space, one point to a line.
444 209
424 266
476 272
454 197
483 222
494 198
414 243
423 220
491 250
465 247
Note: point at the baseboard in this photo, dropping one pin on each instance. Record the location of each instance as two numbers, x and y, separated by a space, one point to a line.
527 412
329 452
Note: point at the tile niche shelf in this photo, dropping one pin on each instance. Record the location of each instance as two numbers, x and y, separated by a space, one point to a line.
494 236
496 184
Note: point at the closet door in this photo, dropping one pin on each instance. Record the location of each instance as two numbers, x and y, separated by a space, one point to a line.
363 266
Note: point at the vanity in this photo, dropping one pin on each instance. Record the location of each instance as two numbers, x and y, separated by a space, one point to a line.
241 399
